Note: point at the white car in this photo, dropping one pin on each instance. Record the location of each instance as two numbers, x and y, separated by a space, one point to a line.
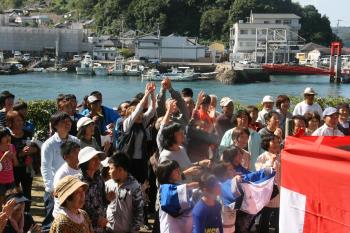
76 58
26 57
245 62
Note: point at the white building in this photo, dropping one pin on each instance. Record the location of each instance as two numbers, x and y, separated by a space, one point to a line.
169 48
104 48
266 38
38 40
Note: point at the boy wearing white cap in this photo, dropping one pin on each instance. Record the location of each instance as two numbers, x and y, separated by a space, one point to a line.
308 105
267 103
329 128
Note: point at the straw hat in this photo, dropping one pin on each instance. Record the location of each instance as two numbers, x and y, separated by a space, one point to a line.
67 186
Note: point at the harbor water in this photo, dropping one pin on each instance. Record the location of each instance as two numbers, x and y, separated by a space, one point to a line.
117 89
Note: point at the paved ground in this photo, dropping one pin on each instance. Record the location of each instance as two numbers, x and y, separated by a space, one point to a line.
37 207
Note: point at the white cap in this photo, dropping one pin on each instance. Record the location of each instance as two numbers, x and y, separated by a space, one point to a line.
309 91
225 101
92 99
267 99
329 111
87 153
104 162
83 121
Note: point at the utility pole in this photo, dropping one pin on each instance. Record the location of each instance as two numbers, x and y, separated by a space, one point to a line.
338 21
122 32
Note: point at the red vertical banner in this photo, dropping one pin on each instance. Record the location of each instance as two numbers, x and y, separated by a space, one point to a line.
315 185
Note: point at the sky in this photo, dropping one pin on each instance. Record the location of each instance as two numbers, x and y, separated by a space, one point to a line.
336 9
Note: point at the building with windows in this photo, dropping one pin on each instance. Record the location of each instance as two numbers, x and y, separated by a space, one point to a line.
266 38
65 42
169 48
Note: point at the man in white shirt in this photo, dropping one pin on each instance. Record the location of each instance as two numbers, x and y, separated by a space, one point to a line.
267 103
308 105
69 152
330 117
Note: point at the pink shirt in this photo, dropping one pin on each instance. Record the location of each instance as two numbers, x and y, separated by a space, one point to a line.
6 174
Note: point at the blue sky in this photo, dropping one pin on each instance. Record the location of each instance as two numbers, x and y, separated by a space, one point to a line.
334 9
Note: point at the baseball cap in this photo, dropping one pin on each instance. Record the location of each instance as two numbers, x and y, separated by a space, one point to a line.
225 101
92 99
329 111
309 91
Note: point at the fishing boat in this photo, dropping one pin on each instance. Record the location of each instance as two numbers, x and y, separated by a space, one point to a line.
86 66
38 69
118 67
53 69
100 70
132 70
152 75
178 75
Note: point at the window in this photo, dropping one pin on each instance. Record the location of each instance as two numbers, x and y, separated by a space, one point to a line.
278 21
243 32
287 21
253 31
266 22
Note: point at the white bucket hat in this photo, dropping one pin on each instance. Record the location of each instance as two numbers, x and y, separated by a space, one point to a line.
84 121
87 153
267 99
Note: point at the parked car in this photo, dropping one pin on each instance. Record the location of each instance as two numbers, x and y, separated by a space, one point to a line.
76 58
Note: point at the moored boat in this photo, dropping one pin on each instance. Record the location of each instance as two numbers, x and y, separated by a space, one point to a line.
118 67
100 70
152 75
85 66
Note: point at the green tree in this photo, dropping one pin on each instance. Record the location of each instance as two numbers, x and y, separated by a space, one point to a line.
315 27
212 22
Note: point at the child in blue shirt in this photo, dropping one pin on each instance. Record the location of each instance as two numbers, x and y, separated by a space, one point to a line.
206 214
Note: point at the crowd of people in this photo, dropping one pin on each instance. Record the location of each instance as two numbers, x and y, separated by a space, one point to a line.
176 159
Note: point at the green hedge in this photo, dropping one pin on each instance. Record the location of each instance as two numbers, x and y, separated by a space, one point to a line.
41 110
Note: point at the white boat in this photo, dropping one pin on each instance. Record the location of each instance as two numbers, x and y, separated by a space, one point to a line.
177 75
118 68
152 75
85 66
100 70
132 70
55 69
39 69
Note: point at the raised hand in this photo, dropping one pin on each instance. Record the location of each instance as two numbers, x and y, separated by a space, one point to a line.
172 107
8 207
